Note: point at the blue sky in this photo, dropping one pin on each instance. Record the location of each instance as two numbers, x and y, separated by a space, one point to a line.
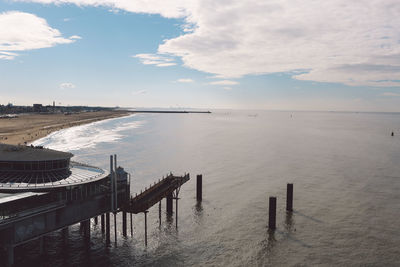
273 54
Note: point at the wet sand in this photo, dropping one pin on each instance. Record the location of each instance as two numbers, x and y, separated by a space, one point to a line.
28 127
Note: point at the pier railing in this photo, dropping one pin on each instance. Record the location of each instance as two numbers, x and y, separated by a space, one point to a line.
155 193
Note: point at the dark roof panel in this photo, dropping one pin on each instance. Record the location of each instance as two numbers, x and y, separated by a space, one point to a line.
28 153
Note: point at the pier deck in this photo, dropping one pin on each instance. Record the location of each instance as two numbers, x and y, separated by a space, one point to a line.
155 193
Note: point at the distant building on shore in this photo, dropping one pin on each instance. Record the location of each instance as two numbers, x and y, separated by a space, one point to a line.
37 107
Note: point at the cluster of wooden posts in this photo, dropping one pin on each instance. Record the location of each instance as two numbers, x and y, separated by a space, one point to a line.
272 206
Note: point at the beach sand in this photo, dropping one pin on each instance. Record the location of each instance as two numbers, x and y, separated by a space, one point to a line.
29 127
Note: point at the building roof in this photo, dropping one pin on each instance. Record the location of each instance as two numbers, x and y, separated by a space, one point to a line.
80 174
30 153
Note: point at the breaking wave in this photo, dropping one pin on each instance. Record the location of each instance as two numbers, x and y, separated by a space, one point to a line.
89 135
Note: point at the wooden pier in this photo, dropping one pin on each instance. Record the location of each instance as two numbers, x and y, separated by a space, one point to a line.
155 193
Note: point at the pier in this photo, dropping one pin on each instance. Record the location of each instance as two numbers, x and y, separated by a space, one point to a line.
34 203
154 194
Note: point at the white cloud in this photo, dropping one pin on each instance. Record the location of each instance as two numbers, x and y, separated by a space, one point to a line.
75 37
227 88
7 55
390 94
67 85
21 31
154 59
349 42
140 92
185 80
224 82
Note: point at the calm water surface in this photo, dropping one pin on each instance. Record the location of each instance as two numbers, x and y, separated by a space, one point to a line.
345 168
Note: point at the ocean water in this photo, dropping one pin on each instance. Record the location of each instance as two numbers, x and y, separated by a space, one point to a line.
345 168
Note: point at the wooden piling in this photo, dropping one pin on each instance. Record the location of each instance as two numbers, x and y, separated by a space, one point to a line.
289 197
86 229
10 256
176 212
145 228
199 187
159 212
107 228
131 225
115 227
41 245
169 204
124 223
102 222
272 213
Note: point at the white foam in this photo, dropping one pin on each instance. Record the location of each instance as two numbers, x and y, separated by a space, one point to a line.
88 135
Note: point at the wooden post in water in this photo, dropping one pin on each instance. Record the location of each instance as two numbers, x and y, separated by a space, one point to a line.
41 245
10 256
145 227
107 228
124 223
131 225
159 212
169 204
111 183
176 212
86 229
64 233
272 213
102 222
115 227
199 187
289 197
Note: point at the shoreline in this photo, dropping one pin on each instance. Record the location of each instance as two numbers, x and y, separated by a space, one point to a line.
27 128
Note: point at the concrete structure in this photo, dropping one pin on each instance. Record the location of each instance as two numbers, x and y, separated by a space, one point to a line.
42 190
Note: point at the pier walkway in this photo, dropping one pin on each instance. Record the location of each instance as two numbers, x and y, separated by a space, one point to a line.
164 188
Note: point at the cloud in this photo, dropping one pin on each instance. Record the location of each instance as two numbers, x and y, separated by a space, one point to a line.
227 88
140 92
7 55
390 94
75 37
67 86
21 31
154 59
351 42
184 80
224 82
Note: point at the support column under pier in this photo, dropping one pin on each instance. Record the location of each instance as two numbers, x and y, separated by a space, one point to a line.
64 234
159 212
169 204
115 227
102 222
124 223
176 212
107 228
10 256
131 225
145 227
41 245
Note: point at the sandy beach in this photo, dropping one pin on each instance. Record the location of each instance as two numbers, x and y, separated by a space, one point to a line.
28 127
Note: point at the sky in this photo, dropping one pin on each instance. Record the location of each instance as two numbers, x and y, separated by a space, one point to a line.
334 55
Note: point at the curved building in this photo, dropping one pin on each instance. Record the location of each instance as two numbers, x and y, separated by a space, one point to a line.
29 168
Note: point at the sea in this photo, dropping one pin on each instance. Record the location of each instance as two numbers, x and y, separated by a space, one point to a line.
345 167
